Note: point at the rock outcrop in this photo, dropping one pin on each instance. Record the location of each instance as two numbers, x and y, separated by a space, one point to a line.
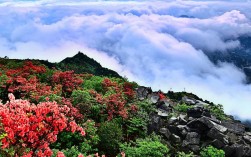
197 127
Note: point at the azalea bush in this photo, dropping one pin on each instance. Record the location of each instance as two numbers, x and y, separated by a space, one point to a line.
29 129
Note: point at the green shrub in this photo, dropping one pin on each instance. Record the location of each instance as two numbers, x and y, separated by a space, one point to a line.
211 151
217 111
95 82
111 135
52 97
148 147
137 125
183 154
182 107
145 106
80 96
91 140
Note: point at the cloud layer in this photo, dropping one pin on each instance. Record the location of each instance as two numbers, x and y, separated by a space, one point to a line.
146 41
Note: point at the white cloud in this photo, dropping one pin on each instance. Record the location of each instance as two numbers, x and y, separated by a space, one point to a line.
146 41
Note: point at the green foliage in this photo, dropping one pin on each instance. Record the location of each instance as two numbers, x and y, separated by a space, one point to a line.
95 113
217 111
67 140
183 154
91 139
47 76
52 97
145 106
69 152
72 143
111 135
137 125
80 96
211 151
182 107
94 83
148 147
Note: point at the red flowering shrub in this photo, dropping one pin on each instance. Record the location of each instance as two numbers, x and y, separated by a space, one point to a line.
34 127
116 98
68 80
129 91
161 96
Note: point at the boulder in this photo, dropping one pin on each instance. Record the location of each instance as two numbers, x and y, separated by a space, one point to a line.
189 101
194 148
234 150
209 123
162 113
195 112
164 105
173 129
175 138
173 120
165 132
247 138
154 97
232 137
235 127
197 126
247 151
142 92
200 104
218 144
155 123
216 134
182 119
192 138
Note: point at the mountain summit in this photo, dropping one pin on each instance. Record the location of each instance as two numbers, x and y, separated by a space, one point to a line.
80 63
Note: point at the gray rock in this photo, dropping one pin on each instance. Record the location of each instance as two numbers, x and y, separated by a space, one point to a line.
216 134
172 120
142 92
234 150
165 132
194 148
218 144
181 127
192 138
155 123
162 113
201 104
175 138
184 133
247 138
182 119
197 126
190 119
209 123
247 151
188 100
214 119
235 127
164 105
195 112
248 133
232 137
154 97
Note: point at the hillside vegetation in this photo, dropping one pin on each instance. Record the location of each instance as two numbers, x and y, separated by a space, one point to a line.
77 108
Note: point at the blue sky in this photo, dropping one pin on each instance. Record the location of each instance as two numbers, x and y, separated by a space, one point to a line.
146 41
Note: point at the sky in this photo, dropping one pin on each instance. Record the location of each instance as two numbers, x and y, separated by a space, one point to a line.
146 41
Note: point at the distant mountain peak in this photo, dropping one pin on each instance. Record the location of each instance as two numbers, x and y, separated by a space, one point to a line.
81 63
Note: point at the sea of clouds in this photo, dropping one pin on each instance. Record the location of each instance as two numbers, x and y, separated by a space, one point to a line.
146 41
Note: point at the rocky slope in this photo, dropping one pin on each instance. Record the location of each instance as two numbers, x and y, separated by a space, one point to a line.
196 127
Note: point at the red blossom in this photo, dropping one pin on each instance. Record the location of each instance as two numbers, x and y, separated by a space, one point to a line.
34 126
